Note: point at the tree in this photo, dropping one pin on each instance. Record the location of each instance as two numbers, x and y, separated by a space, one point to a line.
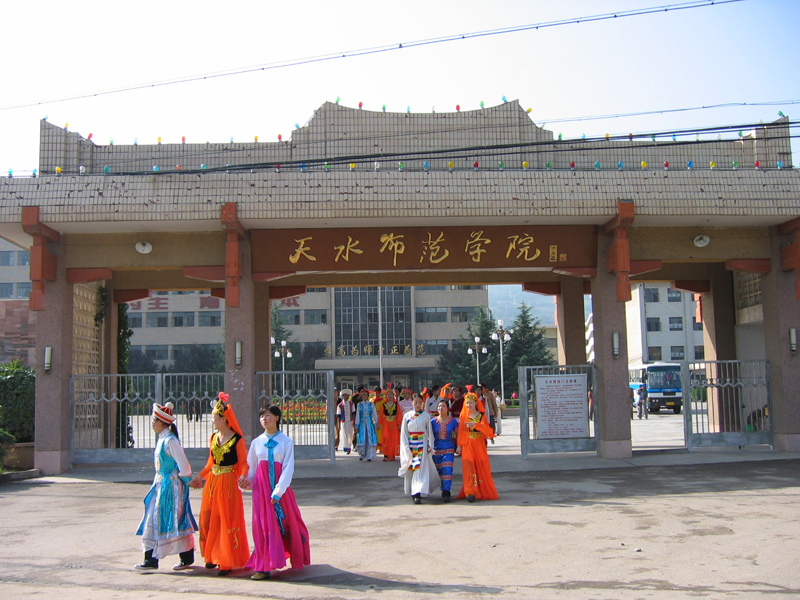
139 362
199 359
527 348
282 333
458 366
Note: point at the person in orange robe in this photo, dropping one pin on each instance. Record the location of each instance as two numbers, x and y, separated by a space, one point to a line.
389 419
223 537
378 399
473 431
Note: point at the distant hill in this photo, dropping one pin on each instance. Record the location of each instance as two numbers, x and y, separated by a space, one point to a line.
505 300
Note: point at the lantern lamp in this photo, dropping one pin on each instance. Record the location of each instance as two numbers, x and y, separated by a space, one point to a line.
426 165
384 108
735 165
255 139
758 165
780 164
504 99
450 166
712 164
401 165
106 170
666 165
502 165
203 166
179 167
559 137
690 165
630 137
481 103
183 139
572 165
524 165
377 166
327 167
360 105
58 171
549 165
597 165
155 168
458 108
352 166
277 168
337 99
621 165
475 165
159 140
644 164
303 167
89 137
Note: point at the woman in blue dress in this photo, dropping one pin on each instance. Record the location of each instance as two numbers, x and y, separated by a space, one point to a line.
445 432
366 423
168 525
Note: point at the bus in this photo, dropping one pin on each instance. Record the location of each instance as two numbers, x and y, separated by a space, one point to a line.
663 381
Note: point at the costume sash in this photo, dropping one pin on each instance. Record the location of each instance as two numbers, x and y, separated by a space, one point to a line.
271 443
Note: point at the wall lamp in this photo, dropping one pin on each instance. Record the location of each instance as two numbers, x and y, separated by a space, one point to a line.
238 353
615 344
792 340
48 357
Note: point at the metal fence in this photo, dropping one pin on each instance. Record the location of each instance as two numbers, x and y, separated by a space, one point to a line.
730 403
529 411
111 413
308 406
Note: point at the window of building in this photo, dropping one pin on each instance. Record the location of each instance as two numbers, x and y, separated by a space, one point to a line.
316 317
204 292
653 353
676 323
356 318
135 320
431 288
676 352
6 258
650 294
696 325
24 290
6 290
467 287
653 323
699 353
290 317
183 292
183 319
157 352
23 258
431 347
674 295
160 293
436 314
157 319
463 314
316 289
210 318
179 350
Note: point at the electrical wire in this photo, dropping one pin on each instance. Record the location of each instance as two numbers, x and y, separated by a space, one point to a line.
381 49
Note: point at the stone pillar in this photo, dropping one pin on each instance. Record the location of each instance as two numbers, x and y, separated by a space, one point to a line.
571 325
612 400
54 330
239 327
782 313
719 315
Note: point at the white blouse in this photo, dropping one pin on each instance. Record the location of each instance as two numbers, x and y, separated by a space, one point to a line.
282 453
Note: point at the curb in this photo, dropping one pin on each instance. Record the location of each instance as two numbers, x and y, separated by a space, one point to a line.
20 475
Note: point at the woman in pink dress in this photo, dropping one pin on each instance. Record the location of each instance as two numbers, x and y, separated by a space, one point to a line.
278 528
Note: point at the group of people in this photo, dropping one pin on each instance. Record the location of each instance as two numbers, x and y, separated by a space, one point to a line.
426 431
168 525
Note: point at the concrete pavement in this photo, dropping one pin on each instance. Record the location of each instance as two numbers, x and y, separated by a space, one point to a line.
721 523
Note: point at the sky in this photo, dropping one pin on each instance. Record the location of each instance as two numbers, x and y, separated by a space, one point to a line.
742 52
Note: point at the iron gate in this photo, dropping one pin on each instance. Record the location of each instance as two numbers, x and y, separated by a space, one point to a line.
111 414
531 439
308 406
729 403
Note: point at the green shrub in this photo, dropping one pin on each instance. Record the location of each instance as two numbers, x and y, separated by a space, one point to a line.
17 400
6 441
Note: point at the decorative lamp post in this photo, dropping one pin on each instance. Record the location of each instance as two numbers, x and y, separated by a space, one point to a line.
502 335
477 349
283 353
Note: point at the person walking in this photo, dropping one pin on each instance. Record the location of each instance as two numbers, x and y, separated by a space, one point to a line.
168 525
278 528
473 431
345 414
445 433
223 536
641 401
416 448
366 423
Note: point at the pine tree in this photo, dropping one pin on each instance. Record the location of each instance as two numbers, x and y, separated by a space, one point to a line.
527 348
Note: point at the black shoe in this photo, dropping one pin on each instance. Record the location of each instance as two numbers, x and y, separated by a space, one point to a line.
187 560
416 499
223 572
446 496
470 498
211 566
260 575
149 564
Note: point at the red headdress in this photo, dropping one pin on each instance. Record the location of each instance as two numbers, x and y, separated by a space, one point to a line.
483 426
224 409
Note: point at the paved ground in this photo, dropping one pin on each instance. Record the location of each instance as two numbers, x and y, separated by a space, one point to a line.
708 524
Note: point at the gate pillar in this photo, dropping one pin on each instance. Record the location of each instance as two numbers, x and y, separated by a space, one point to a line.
719 315
781 314
240 345
612 398
54 331
570 317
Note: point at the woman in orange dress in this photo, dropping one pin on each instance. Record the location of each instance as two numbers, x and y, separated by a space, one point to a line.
473 431
389 419
223 537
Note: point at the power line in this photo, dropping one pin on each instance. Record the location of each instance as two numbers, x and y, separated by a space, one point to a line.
381 49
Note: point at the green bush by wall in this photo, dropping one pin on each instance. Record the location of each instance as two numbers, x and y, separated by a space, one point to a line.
17 400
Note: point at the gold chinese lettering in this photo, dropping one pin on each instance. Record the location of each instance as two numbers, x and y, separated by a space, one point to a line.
407 350
435 249
475 245
345 249
328 350
368 349
392 242
420 349
395 350
354 351
523 245
341 351
301 250
553 253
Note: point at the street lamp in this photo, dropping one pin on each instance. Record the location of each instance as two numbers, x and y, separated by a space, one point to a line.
283 353
477 349
502 335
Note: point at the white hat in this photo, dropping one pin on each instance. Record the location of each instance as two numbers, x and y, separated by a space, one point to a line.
347 391
164 413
